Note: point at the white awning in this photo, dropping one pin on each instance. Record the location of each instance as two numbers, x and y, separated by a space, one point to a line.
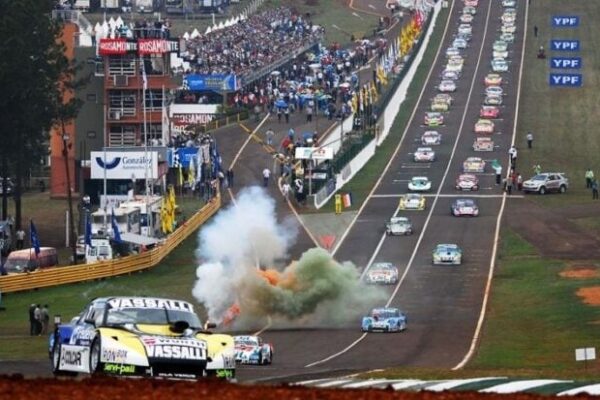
138 239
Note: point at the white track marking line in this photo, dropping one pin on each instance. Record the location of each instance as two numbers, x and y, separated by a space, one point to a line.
241 150
520 386
446 385
460 129
404 135
486 295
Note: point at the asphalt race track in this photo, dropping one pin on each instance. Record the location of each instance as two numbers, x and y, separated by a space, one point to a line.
443 303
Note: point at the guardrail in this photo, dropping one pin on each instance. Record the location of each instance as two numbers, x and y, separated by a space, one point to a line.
105 269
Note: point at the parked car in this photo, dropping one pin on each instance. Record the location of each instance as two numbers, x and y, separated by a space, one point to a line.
547 182
26 261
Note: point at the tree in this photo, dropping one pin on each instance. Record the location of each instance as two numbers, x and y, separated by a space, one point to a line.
34 74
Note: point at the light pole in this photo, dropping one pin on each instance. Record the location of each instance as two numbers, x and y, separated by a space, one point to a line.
65 152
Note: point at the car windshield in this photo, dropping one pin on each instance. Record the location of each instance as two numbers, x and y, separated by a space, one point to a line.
382 267
399 220
464 203
150 316
413 197
384 314
446 248
246 341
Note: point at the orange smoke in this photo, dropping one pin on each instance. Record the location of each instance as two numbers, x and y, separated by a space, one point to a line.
273 278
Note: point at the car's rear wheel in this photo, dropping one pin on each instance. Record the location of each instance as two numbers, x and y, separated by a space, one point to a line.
95 351
563 188
542 190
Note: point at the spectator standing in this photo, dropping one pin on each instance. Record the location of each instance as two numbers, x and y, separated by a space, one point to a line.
285 189
589 177
519 182
32 319
535 30
286 112
513 156
529 140
595 189
230 178
37 315
266 174
45 318
498 170
309 113
279 114
20 238
269 135
509 185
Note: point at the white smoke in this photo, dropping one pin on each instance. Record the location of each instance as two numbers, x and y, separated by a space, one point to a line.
246 236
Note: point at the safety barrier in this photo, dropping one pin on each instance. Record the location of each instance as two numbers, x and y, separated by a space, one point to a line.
105 269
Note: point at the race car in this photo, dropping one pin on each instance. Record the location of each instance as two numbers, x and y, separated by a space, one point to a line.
510 10
490 112
398 226
466 18
459 43
252 350
500 54
471 3
508 28
509 3
469 10
483 144
419 184
484 126
474 164
500 45
508 37
461 207
384 319
433 119
465 29
508 17
430 138
492 80
452 51
494 91
382 273
450 75
467 182
140 336
412 201
454 66
444 97
447 86
439 106
499 65
492 100
447 254
424 154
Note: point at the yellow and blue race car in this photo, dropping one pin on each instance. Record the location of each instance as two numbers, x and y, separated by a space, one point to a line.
140 336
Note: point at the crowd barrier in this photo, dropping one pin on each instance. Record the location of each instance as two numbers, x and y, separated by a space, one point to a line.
105 269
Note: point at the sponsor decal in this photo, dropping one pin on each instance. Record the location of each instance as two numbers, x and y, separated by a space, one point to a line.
114 355
109 165
157 46
121 369
180 122
565 21
569 80
176 352
151 303
71 357
158 340
224 373
113 46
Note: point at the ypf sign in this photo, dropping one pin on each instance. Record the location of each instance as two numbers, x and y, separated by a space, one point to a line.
565 62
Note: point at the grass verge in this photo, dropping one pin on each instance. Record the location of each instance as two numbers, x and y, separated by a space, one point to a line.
562 120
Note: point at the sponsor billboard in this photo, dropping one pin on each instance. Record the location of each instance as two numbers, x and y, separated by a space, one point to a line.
124 165
217 82
314 153
565 62
564 45
567 80
565 21
120 46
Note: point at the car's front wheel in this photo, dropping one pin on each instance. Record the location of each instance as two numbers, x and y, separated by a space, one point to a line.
95 351
563 188
542 190
55 361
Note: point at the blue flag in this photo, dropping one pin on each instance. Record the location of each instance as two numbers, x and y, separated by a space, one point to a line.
115 227
88 231
33 237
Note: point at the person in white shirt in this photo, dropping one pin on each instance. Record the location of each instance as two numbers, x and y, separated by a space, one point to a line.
285 189
266 174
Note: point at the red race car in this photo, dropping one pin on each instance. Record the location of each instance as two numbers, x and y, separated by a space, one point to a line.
489 112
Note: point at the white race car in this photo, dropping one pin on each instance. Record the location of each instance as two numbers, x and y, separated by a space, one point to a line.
382 273
451 75
494 90
508 28
424 154
452 51
474 164
467 182
430 138
447 86
444 97
492 100
484 126
483 144
465 29
499 65
466 18
252 350
419 184
459 43
399 226
508 37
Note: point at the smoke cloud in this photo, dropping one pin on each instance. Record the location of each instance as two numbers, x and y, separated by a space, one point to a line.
313 290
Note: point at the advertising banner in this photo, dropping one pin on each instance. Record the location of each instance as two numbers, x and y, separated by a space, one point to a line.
124 165
120 46
568 80
314 153
217 82
565 62
565 21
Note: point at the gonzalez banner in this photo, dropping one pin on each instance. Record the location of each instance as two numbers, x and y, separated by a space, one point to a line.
124 164
120 46
220 82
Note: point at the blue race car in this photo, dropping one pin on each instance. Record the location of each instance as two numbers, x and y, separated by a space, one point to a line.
447 254
384 319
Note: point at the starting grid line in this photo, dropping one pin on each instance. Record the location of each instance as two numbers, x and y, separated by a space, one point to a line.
463 195
499 385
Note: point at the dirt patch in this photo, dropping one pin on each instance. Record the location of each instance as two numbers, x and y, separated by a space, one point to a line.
550 232
580 272
590 295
